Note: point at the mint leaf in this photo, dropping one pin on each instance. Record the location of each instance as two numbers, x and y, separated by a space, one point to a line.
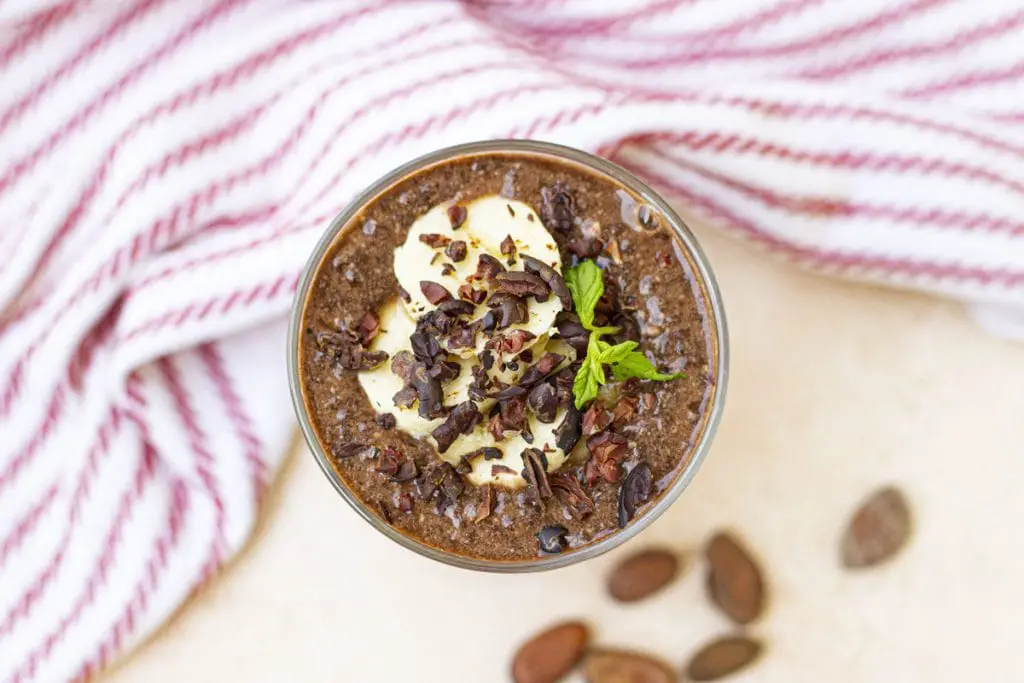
594 356
584 386
613 354
635 364
586 285
589 377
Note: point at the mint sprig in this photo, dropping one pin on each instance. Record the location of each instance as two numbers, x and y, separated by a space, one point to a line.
586 285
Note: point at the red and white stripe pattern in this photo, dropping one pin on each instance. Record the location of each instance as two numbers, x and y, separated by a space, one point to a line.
165 168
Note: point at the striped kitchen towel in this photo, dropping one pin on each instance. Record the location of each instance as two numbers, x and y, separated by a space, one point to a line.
166 166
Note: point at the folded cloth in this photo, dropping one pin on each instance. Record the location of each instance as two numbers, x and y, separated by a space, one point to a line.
165 168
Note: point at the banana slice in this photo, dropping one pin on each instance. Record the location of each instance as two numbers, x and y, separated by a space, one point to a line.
512 453
381 384
488 222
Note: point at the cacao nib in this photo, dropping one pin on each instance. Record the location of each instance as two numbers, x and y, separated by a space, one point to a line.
488 267
402 364
434 323
563 385
456 251
428 392
445 371
467 292
407 471
634 492
551 278
498 298
389 462
585 247
404 294
385 421
487 359
368 328
478 387
572 331
541 369
425 347
568 431
513 342
507 392
405 397
552 539
484 505
558 208
487 453
489 322
496 427
535 473
501 469
346 348
596 419
434 240
358 358
331 342
511 312
521 283
456 216
508 249
440 481
434 292
527 433
624 410
462 337
591 474
513 414
450 486
343 451
460 420
405 503
608 304
447 269
580 504
543 401
608 450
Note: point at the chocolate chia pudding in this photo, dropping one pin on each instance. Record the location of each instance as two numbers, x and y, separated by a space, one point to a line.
508 353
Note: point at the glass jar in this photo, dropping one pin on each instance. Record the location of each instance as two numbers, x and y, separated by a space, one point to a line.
706 288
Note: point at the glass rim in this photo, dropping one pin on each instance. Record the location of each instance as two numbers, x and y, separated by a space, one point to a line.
716 325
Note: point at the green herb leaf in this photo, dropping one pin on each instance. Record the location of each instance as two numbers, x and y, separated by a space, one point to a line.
586 284
590 376
635 364
613 354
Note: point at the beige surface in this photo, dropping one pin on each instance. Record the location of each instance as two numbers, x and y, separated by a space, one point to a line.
835 389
